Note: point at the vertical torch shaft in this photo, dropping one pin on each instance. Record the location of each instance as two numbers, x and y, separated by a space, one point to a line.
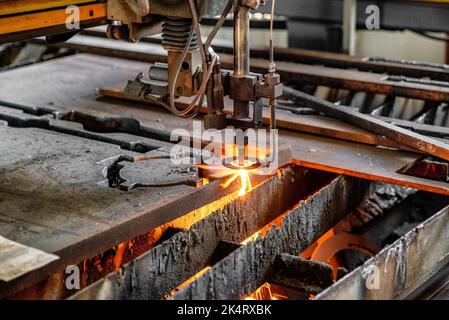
241 54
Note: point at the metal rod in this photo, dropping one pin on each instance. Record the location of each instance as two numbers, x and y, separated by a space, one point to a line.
241 41
349 26
273 105
241 54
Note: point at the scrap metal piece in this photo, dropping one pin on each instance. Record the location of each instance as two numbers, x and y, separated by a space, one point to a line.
343 241
426 168
17 259
300 274
127 173
401 268
441 66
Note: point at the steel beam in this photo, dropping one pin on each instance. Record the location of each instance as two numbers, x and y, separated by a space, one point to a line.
247 268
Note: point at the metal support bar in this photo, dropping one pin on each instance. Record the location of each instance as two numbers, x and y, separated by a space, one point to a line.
349 26
417 141
241 55
248 267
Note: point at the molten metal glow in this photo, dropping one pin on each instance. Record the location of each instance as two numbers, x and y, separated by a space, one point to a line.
245 182
266 292
231 175
189 281
238 169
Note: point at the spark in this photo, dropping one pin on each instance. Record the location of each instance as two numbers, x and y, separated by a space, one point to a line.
245 182
231 175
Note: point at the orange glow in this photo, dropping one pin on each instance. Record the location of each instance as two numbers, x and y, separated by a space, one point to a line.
119 255
189 281
237 169
245 182
231 175
308 252
266 292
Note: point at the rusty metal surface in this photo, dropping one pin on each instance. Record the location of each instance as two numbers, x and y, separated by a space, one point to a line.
425 129
401 267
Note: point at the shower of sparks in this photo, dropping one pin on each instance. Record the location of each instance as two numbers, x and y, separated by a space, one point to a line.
231 175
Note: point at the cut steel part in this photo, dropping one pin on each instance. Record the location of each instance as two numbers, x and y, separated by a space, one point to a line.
360 161
301 274
176 260
425 129
417 141
111 130
400 268
343 241
336 60
247 268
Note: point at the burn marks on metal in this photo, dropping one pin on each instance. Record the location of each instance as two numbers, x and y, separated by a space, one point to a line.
158 272
247 268
402 267
247 264
302 275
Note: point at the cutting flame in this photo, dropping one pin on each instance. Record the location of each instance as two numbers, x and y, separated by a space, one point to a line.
266 292
245 182
231 175
240 169
243 176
